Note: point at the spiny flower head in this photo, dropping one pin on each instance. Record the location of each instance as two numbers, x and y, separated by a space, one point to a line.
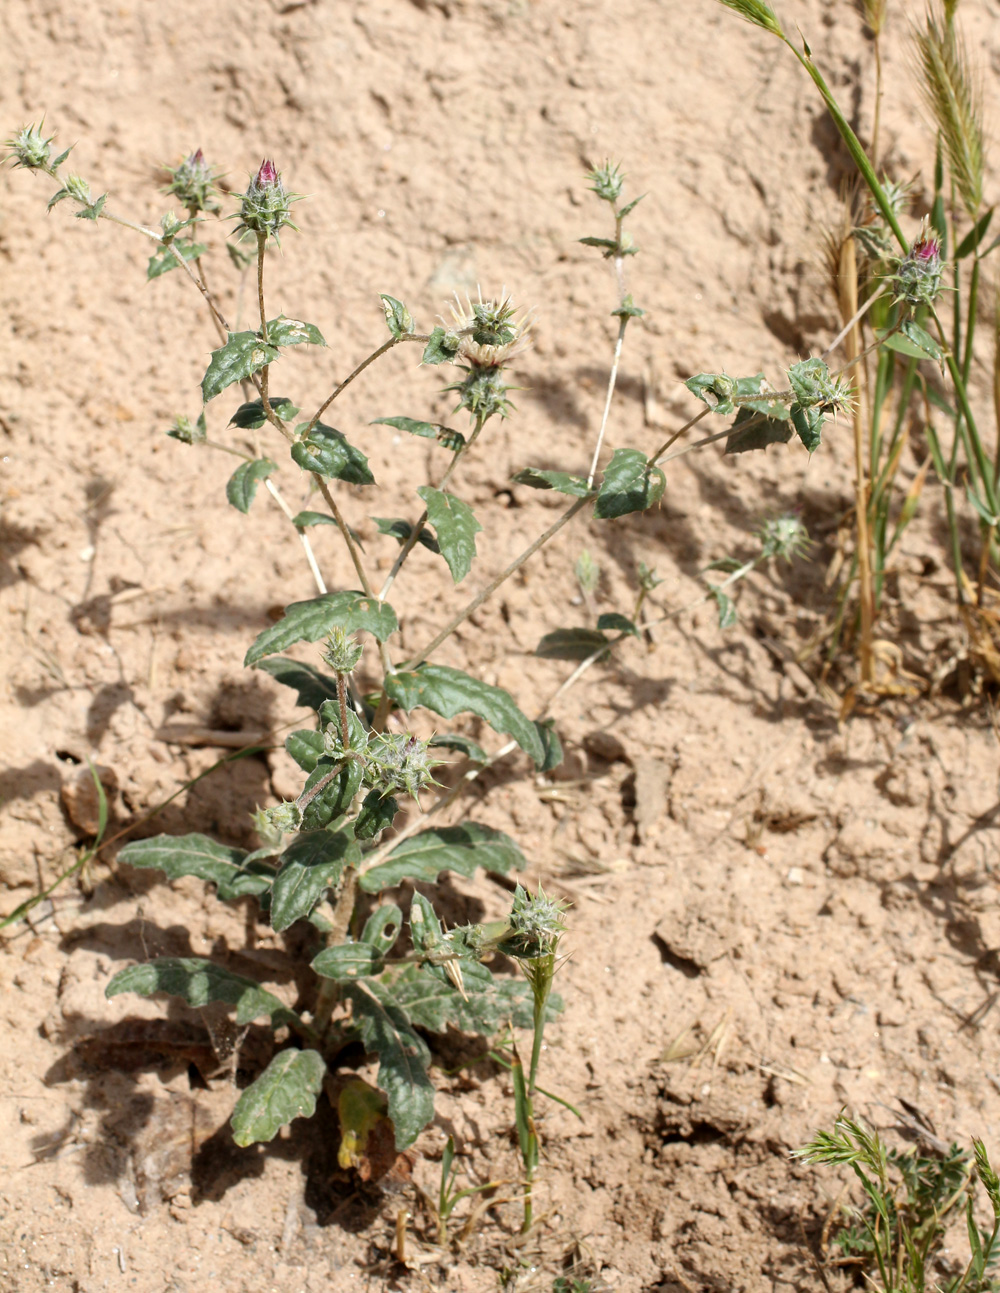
266 202
489 333
192 181
398 761
919 273
271 823
535 924
30 148
784 536
606 181
342 651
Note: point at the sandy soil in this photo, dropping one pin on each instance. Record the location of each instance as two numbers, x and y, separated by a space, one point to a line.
804 910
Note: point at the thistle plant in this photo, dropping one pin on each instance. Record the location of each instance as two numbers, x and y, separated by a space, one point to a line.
384 976
897 1234
909 310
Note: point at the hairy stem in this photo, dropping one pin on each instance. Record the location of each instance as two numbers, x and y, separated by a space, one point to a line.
376 354
491 587
414 536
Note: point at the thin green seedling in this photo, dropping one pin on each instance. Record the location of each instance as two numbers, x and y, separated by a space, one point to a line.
899 1230
449 1196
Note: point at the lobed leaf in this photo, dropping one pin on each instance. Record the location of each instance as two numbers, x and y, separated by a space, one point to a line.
450 691
808 424
312 863
251 416
403 1058
312 686
287 1089
377 814
411 425
306 747
197 855
327 452
242 485
162 262
293 332
614 623
550 741
401 531
309 621
304 519
439 348
465 744
242 355
571 644
398 319
199 982
629 485
561 481
336 796
761 432
456 527
447 848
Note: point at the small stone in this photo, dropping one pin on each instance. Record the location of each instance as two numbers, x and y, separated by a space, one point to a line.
605 745
795 875
79 797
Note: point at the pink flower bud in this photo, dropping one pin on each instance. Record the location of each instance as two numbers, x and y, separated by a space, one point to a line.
266 175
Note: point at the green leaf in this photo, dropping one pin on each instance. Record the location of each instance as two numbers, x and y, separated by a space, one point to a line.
613 623
243 354
441 348
608 245
401 530
199 982
571 644
912 340
328 452
366 957
242 484
808 424
349 961
287 1089
450 691
336 796
398 319
93 211
550 740
627 310
197 855
293 332
456 527
162 262
312 863
313 687
251 416
714 389
560 481
629 485
376 815
306 748
304 519
448 848
727 611
753 431
630 206
312 620
428 430
455 741
980 506
403 1058
974 237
